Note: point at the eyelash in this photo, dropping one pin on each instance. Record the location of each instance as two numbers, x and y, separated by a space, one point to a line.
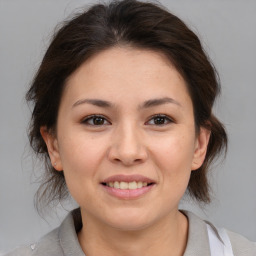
167 118
94 117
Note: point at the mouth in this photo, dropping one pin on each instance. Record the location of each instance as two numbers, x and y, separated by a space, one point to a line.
128 186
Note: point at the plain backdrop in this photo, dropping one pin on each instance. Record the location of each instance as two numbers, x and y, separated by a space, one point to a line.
227 29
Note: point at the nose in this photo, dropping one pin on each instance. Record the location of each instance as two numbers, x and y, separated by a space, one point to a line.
127 146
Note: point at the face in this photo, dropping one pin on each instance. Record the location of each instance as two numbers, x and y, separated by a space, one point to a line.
126 138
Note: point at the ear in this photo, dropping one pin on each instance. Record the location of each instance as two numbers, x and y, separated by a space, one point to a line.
53 148
201 144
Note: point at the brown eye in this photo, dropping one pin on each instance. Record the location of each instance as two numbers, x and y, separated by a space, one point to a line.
160 120
95 120
98 121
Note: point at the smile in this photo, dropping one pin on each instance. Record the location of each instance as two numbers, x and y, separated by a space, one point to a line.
127 185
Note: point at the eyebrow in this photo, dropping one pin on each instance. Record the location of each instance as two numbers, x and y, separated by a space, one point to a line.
146 104
157 102
95 102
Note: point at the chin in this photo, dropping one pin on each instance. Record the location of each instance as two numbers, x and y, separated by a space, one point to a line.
130 220
130 225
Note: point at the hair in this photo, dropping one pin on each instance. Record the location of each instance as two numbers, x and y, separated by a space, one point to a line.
136 24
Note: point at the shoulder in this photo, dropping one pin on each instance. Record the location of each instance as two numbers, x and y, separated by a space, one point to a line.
203 234
59 242
241 245
47 245
21 251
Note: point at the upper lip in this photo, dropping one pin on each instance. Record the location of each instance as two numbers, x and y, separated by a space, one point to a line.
128 178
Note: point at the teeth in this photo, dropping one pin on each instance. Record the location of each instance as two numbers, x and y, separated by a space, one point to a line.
140 184
116 184
133 185
124 185
127 185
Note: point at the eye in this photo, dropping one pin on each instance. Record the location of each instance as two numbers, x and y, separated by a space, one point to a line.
95 120
159 120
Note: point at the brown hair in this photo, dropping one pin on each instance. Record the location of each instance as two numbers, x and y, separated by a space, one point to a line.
140 25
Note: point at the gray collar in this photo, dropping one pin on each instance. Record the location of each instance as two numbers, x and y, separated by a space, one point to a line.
198 243
68 235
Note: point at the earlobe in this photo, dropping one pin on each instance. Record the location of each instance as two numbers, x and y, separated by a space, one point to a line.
200 148
52 147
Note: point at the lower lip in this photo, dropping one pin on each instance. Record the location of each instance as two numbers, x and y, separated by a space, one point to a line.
128 193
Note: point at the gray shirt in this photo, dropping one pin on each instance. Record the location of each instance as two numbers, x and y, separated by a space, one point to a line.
63 241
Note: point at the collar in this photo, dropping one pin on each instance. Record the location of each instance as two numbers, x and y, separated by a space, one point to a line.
198 242
68 234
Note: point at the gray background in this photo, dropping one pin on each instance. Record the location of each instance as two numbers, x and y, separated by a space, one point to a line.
228 31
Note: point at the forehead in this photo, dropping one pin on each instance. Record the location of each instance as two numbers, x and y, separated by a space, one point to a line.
124 72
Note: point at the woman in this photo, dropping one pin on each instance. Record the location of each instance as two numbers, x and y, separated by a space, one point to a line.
123 117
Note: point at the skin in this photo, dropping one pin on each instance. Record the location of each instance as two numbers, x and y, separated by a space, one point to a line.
128 141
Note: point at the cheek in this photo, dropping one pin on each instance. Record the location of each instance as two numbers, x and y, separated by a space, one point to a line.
80 152
174 151
80 157
173 157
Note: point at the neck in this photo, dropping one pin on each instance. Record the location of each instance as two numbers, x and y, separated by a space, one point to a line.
164 237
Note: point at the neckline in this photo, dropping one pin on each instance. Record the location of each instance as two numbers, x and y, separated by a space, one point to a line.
197 242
